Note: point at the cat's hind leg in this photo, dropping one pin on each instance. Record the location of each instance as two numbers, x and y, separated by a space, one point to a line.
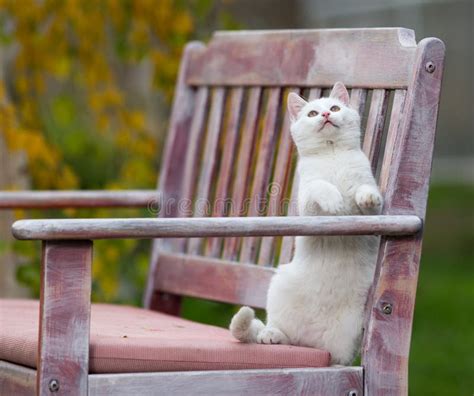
271 335
343 340
244 326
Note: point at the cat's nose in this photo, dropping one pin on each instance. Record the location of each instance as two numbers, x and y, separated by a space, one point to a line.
326 114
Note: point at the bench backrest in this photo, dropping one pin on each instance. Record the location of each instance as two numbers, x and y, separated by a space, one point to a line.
229 151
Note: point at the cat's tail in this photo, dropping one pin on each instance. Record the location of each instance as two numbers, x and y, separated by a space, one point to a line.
244 326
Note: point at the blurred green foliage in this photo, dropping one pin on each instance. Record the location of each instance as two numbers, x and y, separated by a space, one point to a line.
442 354
66 104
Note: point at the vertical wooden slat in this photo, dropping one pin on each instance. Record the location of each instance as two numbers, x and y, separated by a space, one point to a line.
191 162
171 176
375 125
63 354
196 135
314 93
288 242
225 169
262 171
279 183
209 158
358 98
392 137
243 166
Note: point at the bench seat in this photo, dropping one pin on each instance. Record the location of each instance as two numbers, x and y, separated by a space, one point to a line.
127 339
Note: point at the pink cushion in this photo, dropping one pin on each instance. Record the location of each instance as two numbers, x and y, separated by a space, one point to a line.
127 339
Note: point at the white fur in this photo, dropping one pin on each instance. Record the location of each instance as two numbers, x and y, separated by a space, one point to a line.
318 299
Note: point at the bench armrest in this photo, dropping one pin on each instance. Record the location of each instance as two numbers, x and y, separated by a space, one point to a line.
77 199
80 229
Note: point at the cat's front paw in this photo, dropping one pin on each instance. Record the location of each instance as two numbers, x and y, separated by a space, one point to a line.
368 199
332 201
271 335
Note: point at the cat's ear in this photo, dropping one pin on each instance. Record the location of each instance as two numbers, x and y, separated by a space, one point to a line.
295 104
339 92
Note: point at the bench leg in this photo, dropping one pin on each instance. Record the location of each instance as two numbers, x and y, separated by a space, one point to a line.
63 356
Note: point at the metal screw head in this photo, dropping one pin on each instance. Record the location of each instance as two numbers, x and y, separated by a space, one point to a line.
387 309
352 392
53 385
430 67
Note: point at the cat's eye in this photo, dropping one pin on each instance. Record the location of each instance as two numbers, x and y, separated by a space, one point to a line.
335 108
312 113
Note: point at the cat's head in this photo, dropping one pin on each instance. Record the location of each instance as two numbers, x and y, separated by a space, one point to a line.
331 119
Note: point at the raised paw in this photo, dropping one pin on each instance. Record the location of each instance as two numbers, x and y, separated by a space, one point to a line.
271 335
332 201
368 199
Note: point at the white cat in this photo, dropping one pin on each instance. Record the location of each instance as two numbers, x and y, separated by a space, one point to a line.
317 300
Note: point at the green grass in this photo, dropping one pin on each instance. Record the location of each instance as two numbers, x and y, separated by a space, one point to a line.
442 350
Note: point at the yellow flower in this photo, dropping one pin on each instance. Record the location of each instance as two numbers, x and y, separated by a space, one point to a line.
87 50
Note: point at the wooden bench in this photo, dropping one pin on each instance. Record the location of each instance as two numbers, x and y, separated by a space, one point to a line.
229 142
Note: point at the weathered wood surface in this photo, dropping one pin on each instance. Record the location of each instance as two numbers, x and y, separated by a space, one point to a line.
213 279
244 159
305 381
310 382
16 380
78 199
281 179
262 171
64 317
366 58
225 170
357 100
387 338
393 138
173 172
196 135
60 229
209 158
375 125
191 163
314 93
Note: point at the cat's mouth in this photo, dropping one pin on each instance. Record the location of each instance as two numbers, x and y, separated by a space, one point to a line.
326 123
